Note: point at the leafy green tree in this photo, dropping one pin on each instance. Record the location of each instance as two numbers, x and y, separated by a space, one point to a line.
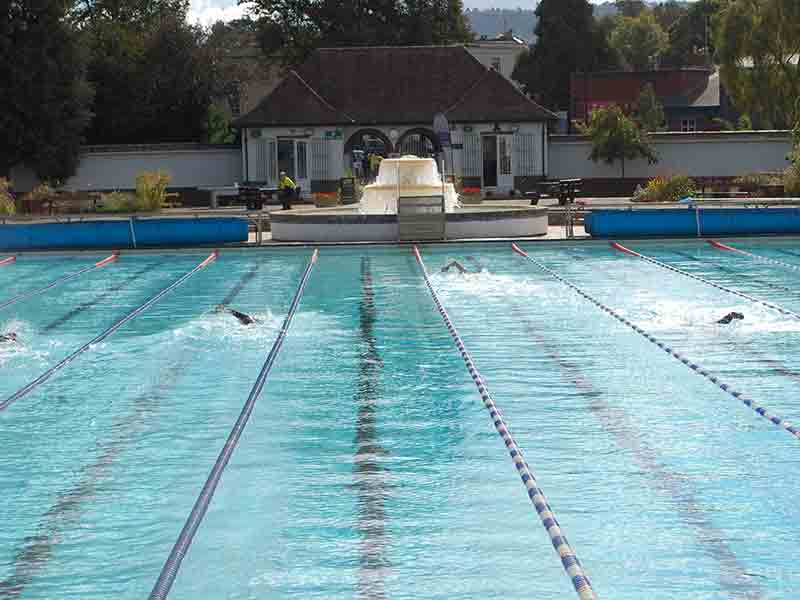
757 47
669 13
615 136
639 41
137 13
219 126
691 37
292 29
568 40
651 111
153 79
630 8
45 104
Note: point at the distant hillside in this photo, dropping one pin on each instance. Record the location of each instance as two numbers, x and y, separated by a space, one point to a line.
494 21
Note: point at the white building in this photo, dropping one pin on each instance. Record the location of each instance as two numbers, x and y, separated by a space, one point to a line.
500 53
384 99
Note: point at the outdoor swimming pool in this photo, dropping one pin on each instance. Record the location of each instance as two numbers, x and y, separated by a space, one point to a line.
370 467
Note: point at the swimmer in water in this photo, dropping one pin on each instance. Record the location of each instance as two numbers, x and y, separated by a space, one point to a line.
8 338
454 264
241 317
730 317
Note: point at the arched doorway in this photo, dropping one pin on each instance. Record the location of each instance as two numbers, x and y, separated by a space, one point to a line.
420 142
369 140
362 143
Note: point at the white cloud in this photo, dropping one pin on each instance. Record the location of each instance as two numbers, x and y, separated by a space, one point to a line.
208 12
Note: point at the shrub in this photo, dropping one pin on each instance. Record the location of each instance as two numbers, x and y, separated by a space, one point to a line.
120 202
758 179
151 189
7 204
791 180
34 199
665 189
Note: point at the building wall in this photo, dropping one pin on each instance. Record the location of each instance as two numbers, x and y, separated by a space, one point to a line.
588 90
697 155
116 167
338 162
507 52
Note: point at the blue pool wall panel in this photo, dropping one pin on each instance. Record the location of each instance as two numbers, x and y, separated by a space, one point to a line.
683 222
117 234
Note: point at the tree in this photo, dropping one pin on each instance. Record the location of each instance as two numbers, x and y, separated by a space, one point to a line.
639 41
153 79
137 13
568 40
691 39
651 112
669 13
45 95
758 53
292 29
630 8
615 136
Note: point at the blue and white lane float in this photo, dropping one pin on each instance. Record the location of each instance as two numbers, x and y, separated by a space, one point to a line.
742 397
764 259
770 305
60 280
172 565
22 392
569 560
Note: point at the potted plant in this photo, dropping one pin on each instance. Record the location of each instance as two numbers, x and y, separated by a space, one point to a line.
326 199
470 195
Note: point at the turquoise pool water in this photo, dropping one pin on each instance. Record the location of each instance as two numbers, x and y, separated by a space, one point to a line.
370 468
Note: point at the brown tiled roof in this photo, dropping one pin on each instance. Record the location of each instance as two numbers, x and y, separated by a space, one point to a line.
371 86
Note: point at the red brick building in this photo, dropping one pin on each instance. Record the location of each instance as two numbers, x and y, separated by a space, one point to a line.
692 97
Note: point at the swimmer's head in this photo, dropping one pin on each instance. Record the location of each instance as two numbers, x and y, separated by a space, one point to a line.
737 316
11 337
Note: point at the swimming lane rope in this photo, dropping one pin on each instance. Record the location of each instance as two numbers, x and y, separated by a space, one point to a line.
775 307
21 393
569 560
727 248
744 398
171 566
63 279
8 261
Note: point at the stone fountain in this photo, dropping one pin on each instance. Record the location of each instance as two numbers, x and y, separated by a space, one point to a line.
406 177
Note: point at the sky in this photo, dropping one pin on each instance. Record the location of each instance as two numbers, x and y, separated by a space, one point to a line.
207 12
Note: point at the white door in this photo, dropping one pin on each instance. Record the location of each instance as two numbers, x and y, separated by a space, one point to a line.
505 167
498 172
293 157
302 170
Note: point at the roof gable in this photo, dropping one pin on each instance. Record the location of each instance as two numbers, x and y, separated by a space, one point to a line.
371 86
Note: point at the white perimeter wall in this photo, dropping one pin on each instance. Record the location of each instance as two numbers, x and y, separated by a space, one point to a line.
190 166
694 154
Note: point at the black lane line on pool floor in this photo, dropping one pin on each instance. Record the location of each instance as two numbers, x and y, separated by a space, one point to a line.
368 473
729 390
775 365
59 281
173 563
86 305
733 578
569 560
22 392
616 422
39 549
